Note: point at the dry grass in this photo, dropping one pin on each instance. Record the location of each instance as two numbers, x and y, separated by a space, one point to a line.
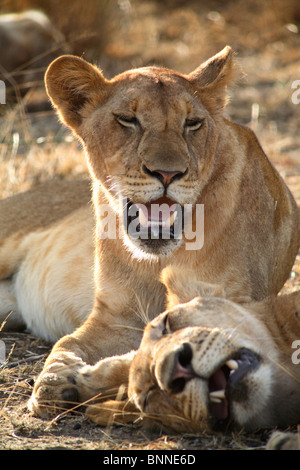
34 148
26 161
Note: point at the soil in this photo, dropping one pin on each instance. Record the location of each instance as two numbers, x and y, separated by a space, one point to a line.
34 147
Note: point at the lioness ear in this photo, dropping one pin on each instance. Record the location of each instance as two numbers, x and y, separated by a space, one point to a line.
212 77
71 83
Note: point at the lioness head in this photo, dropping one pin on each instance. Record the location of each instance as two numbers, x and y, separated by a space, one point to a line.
150 136
211 364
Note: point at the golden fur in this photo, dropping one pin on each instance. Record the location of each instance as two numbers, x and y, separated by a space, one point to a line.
150 135
173 382
209 365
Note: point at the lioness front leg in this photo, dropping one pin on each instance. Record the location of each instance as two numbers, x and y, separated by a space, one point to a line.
73 373
57 386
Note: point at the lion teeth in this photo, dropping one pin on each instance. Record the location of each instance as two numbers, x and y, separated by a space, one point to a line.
143 217
217 396
146 222
215 400
232 364
170 220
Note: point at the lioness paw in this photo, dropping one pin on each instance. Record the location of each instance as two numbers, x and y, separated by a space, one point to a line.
67 381
56 388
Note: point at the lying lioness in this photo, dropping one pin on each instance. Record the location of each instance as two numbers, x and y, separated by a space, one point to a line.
175 183
211 364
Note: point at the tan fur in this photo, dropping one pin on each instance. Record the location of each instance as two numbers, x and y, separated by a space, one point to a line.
29 226
149 134
216 330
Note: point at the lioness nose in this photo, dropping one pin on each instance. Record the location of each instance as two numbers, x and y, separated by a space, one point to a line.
182 369
166 177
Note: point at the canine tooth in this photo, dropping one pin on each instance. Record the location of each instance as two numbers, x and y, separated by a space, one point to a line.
232 364
215 400
170 220
155 220
142 217
217 394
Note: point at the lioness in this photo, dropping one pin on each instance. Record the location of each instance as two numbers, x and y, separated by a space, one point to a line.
211 364
153 137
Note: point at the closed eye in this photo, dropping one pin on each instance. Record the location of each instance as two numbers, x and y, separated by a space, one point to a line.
127 121
165 330
193 124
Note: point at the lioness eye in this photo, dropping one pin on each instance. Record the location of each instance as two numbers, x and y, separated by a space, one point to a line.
165 328
127 121
193 124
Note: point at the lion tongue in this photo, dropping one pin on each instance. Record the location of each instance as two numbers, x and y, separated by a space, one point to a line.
159 212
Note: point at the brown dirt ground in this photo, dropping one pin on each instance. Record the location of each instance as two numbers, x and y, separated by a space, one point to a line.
34 148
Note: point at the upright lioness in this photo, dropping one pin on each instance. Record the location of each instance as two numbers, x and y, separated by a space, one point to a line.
153 137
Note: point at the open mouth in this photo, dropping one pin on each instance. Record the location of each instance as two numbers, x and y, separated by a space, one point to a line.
224 384
159 219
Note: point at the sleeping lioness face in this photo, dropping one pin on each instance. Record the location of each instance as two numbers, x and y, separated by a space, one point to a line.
212 364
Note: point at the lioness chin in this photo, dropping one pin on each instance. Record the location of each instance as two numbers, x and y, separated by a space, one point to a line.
152 137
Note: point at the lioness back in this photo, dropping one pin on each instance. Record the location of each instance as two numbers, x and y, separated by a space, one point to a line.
32 226
42 206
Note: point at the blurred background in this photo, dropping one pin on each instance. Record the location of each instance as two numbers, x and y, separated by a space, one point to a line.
121 34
